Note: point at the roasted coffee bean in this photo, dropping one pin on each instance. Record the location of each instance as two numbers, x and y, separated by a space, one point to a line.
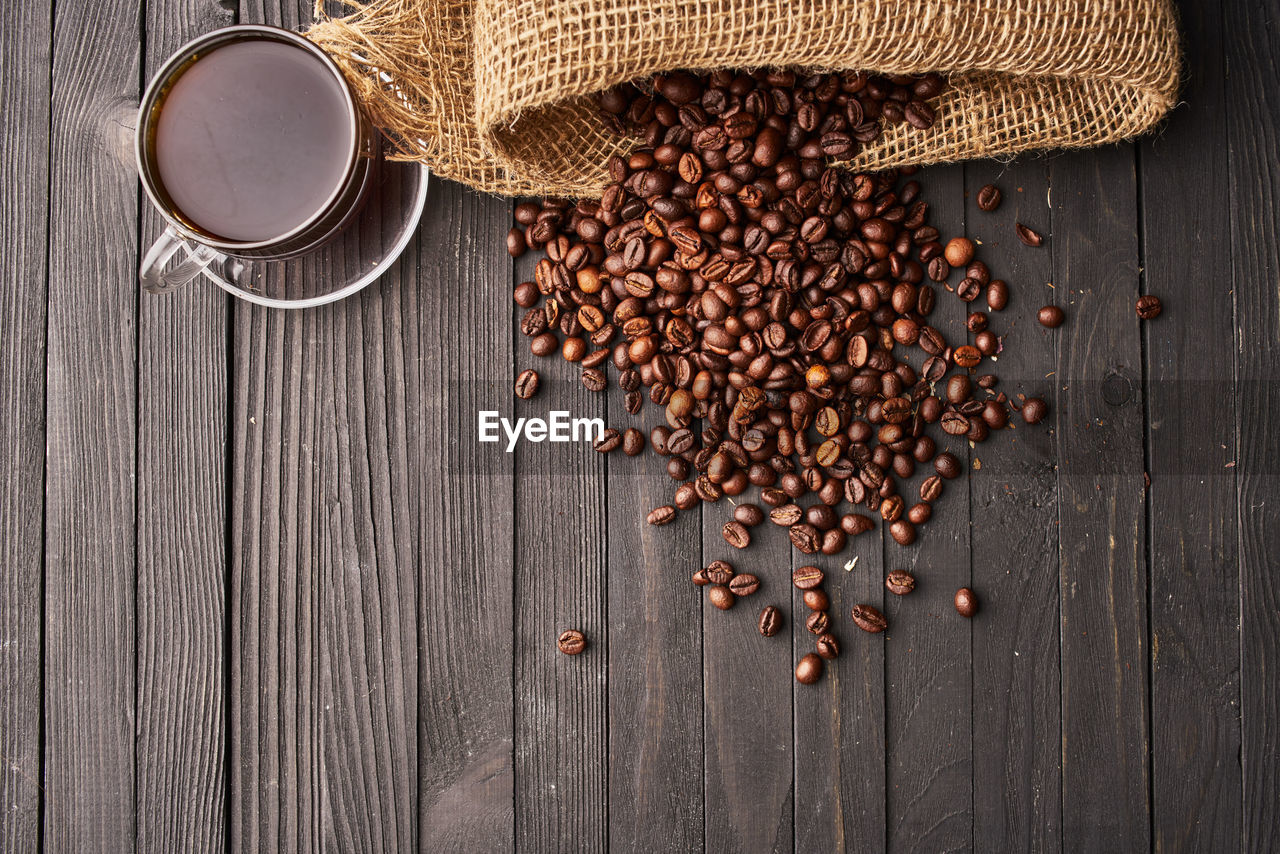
989 198
736 534
807 578
903 532
1028 236
686 497
1034 410
1149 307
854 524
700 578
815 599
770 621
997 295
959 251
931 488
827 646
1050 317
608 442
721 596
818 622
744 584
632 442
869 619
920 513
809 670
661 515
966 602
900 582
947 465
571 642
527 384
748 514
720 572
804 538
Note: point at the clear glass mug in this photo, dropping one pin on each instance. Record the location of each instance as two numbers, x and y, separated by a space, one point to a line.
204 249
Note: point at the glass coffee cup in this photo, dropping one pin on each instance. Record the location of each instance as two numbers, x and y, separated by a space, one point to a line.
252 145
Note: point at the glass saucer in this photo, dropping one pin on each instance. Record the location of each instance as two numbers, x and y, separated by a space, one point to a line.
357 257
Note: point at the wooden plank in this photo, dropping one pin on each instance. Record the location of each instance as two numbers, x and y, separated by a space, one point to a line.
24 158
91 409
561 582
928 645
1017 772
182 412
1252 97
655 653
1098 423
465 527
1195 606
749 791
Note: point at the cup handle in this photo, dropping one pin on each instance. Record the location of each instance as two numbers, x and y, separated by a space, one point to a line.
155 279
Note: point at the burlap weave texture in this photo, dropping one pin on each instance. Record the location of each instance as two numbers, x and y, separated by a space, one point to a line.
496 93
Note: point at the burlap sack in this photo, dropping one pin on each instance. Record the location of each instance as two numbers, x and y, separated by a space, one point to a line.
496 93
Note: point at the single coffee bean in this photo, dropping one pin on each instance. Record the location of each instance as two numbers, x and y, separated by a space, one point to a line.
815 599
632 442
900 582
959 251
736 534
516 244
804 537
1034 410
1149 307
748 514
661 515
931 488
720 596
869 619
903 532
527 384
920 513
1051 316
854 524
817 622
700 578
809 670
947 465
686 497
807 578
828 647
770 621
720 572
610 441
1027 236
989 198
966 602
997 295
571 642
744 584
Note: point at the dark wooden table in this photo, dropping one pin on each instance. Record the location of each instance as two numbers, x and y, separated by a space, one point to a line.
263 590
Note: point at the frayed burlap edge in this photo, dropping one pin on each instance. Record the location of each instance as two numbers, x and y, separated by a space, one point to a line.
497 92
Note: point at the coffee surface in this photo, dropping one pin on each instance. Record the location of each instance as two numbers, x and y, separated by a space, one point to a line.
252 139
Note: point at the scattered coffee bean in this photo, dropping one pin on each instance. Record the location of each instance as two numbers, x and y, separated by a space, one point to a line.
1149 307
744 584
721 596
1050 317
748 514
869 619
632 442
828 647
817 622
966 602
815 599
959 251
1034 410
809 670
1027 236
989 198
903 532
807 578
736 534
770 621
527 384
700 578
720 572
661 515
900 582
571 642
947 465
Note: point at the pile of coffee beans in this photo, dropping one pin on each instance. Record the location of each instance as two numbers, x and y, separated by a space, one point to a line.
777 308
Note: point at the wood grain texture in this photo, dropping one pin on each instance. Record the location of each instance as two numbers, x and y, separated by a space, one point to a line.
91 433
928 645
465 527
1098 424
655 653
748 787
24 170
1014 512
561 582
1252 98
1195 606
181 591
